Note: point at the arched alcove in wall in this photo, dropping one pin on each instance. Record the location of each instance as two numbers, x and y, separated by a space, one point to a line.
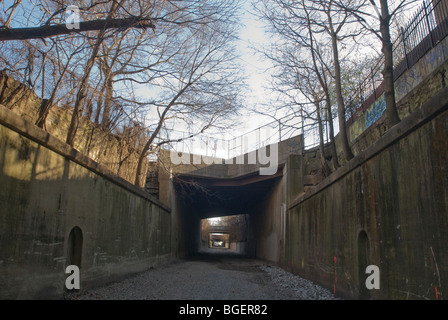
363 262
74 248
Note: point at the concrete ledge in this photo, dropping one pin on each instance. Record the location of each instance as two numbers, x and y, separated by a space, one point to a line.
238 181
241 167
16 123
429 110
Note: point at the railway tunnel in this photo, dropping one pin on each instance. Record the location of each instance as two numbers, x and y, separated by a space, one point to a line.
246 200
248 209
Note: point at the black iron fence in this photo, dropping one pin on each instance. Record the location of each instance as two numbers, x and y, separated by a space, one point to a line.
427 27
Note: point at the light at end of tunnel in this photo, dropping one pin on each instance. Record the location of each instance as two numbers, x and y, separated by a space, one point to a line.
214 221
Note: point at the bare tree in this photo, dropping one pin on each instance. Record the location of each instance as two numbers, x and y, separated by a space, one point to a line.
80 96
201 84
334 26
49 29
177 70
320 72
383 15
304 24
61 29
312 81
62 61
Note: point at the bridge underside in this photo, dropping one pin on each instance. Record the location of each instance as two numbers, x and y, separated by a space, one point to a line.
200 198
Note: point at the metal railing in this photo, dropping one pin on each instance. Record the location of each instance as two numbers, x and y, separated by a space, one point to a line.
270 133
427 27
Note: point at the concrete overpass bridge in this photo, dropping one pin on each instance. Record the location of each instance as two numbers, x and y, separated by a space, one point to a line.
235 188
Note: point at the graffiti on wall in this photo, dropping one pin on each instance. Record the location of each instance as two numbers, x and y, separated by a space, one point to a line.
407 82
369 117
375 111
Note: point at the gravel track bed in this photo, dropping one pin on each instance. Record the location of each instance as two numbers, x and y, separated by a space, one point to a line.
210 279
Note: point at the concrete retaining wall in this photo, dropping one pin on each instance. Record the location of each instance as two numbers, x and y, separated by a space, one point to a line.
387 207
412 89
58 207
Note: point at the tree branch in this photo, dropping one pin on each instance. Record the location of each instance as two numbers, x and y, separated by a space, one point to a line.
47 31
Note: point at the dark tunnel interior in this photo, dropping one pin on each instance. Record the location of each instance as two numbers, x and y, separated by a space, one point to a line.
221 217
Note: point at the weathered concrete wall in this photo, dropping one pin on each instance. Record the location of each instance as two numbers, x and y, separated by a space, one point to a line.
166 170
266 219
387 207
119 153
418 84
249 163
46 190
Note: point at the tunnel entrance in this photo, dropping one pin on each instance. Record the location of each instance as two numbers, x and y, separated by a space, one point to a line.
226 234
239 216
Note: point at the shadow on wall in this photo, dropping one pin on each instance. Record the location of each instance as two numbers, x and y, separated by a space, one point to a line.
386 208
363 262
56 212
74 244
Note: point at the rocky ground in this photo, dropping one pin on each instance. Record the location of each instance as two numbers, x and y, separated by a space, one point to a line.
210 278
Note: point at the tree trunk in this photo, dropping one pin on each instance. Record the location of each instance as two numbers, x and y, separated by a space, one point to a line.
99 105
325 168
324 85
43 113
47 104
340 100
388 71
105 123
85 78
139 168
334 153
82 92
142 156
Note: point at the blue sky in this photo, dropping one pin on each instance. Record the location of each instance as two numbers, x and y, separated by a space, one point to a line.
256 68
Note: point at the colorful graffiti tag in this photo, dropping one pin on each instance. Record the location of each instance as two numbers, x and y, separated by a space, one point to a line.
369 117
375 111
